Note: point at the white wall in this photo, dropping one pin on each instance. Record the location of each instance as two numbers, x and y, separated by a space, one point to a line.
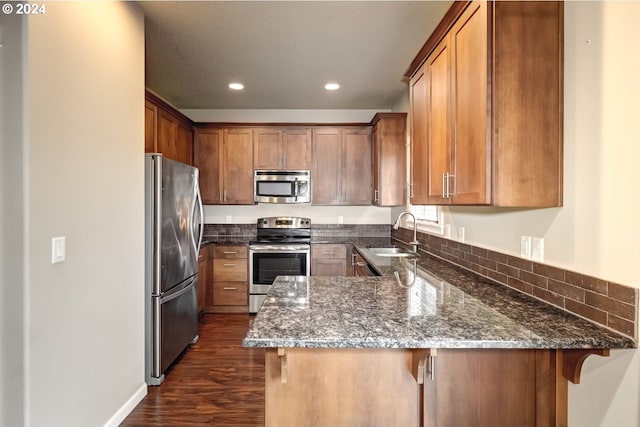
84 179
319 214
596 231
11 224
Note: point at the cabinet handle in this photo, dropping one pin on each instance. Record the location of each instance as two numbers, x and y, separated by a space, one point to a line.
220 195
229 265
230 252
375 195
444 185
432 367
451 189
410 190
225 195
229 289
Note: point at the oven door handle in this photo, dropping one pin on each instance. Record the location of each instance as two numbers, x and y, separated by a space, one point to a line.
279 249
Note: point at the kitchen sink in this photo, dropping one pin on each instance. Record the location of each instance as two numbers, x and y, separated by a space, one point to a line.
391 252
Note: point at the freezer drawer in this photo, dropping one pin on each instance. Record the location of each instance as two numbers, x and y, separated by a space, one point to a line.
175 326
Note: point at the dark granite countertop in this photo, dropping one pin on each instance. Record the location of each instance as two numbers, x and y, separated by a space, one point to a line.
226 240
439 307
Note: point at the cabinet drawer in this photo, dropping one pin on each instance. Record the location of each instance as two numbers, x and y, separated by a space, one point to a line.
229 251
229 270
230 293
328 251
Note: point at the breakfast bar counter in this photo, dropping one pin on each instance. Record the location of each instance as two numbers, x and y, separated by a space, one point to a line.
423 344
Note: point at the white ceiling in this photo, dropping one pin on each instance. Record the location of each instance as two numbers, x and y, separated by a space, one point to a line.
284 51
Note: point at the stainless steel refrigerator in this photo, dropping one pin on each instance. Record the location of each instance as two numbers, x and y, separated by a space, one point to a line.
173 234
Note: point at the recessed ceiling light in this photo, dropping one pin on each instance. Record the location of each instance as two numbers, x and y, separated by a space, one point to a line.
236 86
332 86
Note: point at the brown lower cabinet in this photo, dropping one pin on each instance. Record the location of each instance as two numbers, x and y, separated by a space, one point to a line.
229 291
420 387
204 277
328 260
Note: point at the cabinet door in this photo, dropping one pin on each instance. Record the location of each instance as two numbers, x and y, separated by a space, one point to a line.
439 125
184 144
167 135
472 162
207 153
389 157
238 167
203 278
267 149
327 168
499 388
150 120
296 149
419 105
356 167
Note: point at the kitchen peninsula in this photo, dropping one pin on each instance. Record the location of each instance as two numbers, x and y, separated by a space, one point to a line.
425 343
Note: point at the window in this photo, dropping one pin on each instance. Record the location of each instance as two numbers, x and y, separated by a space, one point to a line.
427 213
428 218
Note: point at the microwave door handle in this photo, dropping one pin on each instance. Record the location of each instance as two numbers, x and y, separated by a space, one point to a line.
295 189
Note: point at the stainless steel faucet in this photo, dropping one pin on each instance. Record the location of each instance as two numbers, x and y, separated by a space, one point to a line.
415 242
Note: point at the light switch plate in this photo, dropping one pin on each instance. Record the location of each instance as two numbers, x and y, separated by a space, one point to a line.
537 249
525 247
58 250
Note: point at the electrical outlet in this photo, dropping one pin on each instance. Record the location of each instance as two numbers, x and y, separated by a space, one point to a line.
447 231
537 249
461 236
340 219
525 247
227 219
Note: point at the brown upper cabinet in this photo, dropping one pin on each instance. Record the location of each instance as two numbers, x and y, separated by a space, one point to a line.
166 130
341 173
389 139
486 107
224 158
281 148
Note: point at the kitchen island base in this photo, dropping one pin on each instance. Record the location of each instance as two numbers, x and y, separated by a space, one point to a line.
419 387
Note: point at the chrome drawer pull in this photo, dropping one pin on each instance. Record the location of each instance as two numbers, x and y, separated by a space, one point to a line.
229 289
229 265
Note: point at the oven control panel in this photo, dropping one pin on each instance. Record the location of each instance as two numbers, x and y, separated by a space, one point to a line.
284 222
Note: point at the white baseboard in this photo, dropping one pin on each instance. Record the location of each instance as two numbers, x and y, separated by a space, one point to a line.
128 406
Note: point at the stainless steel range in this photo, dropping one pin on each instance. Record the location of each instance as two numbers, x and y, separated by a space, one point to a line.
281 248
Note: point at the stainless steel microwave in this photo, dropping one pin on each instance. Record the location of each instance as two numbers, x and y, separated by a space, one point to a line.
282 186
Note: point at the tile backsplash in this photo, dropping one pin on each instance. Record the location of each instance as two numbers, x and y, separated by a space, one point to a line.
607 303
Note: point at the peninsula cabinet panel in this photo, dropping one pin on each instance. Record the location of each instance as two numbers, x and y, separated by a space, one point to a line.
341 173
486 108
389 137
225 160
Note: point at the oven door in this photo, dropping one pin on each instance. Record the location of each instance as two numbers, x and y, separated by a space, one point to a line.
270 261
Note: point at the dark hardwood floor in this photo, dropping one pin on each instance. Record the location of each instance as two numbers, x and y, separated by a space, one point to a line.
216 382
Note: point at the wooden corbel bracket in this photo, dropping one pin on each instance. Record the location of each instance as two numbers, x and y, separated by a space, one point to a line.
572 361
283 365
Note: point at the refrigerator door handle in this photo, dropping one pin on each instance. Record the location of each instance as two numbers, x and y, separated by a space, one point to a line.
183 289
198 215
